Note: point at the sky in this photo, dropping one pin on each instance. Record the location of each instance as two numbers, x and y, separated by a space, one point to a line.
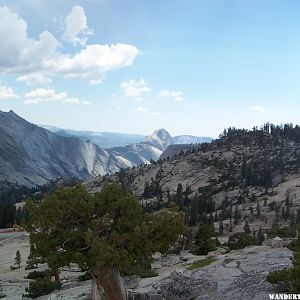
132 66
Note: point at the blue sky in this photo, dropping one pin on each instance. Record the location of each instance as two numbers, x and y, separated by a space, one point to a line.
192 67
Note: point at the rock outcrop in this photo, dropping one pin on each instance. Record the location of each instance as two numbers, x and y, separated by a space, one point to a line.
187 285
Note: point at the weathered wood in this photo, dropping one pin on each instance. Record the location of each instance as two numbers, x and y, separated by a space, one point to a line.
111 282
96 294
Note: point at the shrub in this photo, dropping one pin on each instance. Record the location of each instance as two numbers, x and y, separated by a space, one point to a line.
241 240
39 274
205 247
279 276
143 270
40 287
86 276
204 241
289 277
283 232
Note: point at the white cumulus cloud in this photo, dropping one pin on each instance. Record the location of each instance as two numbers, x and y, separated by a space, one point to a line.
176 96
6 92
23 56
135 88
18 52
42 95
95 60
34 78
76 28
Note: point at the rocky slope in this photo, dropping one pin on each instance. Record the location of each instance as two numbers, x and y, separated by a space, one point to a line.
259 159
177 149
243 169
240 274
31 155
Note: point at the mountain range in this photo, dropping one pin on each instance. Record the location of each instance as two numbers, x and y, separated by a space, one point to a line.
113 139
31 155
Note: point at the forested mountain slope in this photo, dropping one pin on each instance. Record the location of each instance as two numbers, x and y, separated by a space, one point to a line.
242 169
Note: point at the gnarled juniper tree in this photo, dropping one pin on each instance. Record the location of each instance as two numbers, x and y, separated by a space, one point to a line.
106 232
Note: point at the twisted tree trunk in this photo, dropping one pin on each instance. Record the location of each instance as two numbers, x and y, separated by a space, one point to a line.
56 276
96 294
111 282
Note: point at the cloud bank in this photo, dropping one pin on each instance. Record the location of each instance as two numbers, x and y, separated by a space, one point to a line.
37 60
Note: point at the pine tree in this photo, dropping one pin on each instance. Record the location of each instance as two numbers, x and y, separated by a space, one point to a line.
287 200
260 236
221 228
236 215
179 196
258 210
298 217
247 228
194 211
203 241
18 259
31 259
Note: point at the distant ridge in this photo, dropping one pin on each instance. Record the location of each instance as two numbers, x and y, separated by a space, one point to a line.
31 155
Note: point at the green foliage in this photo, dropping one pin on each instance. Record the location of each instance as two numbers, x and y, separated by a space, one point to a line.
289 277
260 236
201 263
40 287
143 270
7 215
204 242
32 260
241 240
86 276
247 228
15 194
153 189
283 232
237 215
18 259
201 205
8 197
283 276
108 229
39 274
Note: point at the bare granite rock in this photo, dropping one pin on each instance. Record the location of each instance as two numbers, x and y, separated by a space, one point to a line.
131 282
187 285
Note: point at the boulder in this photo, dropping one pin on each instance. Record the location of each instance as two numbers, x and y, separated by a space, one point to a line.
131 282
186 285
170 260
